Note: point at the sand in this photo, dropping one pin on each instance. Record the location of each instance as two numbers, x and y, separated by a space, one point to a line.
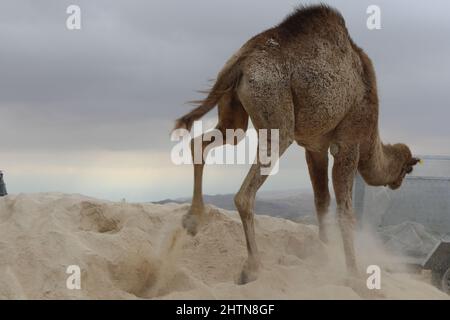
133 251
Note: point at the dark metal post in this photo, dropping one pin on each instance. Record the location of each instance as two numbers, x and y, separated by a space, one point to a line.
2 186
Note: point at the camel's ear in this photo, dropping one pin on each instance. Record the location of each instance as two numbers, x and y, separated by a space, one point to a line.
413 161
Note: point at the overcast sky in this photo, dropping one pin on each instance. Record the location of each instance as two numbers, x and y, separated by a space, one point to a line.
89 111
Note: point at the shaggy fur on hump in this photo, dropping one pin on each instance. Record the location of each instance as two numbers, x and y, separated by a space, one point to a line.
305 17
301 19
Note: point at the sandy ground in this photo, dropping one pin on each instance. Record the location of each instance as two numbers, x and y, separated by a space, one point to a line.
130 251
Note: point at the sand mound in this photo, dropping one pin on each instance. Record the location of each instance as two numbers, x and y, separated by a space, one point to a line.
140 251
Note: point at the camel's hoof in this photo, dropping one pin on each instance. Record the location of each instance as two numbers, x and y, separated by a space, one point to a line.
249 273
353 272
323 237
324 229
190 223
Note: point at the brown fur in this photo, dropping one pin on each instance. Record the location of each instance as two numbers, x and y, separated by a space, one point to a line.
307 78
305 17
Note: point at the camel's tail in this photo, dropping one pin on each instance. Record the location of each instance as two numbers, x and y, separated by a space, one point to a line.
227 81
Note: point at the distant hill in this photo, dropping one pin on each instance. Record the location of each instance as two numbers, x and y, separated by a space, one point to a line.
296 205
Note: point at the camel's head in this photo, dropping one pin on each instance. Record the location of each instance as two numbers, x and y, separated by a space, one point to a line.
406 163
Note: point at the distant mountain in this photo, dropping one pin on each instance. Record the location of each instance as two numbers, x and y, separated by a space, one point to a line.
296 205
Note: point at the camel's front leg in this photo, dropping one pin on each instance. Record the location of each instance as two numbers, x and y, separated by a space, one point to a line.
345 165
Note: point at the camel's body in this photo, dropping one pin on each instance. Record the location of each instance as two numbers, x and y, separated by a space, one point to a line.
308 79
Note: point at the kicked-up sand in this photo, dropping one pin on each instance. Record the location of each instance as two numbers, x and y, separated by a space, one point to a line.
129 251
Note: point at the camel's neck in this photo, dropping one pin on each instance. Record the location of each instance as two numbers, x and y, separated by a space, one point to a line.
380 165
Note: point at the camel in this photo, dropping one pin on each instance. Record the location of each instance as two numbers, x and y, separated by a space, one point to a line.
308 79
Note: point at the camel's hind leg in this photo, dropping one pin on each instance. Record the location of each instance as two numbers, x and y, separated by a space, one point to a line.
271 109
318 171
245 201
231 116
